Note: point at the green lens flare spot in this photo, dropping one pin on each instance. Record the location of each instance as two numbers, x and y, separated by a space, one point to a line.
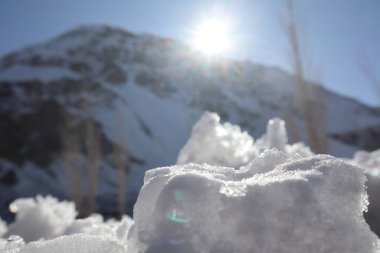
173 217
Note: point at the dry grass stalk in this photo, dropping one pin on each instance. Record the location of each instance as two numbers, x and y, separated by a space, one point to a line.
369 71
93 157
69 155
313 115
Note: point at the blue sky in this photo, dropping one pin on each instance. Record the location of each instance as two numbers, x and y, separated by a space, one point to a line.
337 32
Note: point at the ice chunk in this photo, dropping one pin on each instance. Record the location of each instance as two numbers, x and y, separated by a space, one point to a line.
217 144
76 243
42 217
276 136
226 145
277 203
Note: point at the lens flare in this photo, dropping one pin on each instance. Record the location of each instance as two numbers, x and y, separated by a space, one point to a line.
212 37
175 218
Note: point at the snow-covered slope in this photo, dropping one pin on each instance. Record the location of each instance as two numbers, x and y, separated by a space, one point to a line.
140 94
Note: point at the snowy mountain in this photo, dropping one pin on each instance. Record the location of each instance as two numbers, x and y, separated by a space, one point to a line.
139 96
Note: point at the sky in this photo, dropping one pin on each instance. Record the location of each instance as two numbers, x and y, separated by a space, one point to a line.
337 34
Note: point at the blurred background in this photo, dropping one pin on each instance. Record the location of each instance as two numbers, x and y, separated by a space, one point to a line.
94 93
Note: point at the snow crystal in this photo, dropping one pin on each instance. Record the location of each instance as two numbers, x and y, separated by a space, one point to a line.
95 225
13 244
43 217
226 145
277 203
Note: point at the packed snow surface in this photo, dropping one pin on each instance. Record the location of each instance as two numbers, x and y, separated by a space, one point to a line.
277 203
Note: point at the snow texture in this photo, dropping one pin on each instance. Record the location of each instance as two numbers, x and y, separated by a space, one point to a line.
368 160
76 243
217 144
49 226
286 199
226 145
277 203
96 226
40 218
13 244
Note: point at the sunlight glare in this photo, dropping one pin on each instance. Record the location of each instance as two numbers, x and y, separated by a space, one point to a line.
212 37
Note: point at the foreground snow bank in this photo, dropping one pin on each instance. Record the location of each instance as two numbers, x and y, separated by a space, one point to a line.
76 243
285 199
277 203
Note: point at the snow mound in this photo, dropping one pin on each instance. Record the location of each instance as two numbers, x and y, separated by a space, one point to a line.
40 217
226 145
49 226
218 144
279 202
95 225
368 160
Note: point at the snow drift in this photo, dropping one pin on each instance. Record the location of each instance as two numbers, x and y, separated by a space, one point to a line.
286 199
277 203
226 144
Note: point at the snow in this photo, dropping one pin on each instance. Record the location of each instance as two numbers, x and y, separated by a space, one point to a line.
225 144
76 243
369 160
217 144
49 226
96 226
43 217
256 196
276 136
228 192
12 244
277 203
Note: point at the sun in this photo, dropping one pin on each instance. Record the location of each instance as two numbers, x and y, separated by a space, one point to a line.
212 37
